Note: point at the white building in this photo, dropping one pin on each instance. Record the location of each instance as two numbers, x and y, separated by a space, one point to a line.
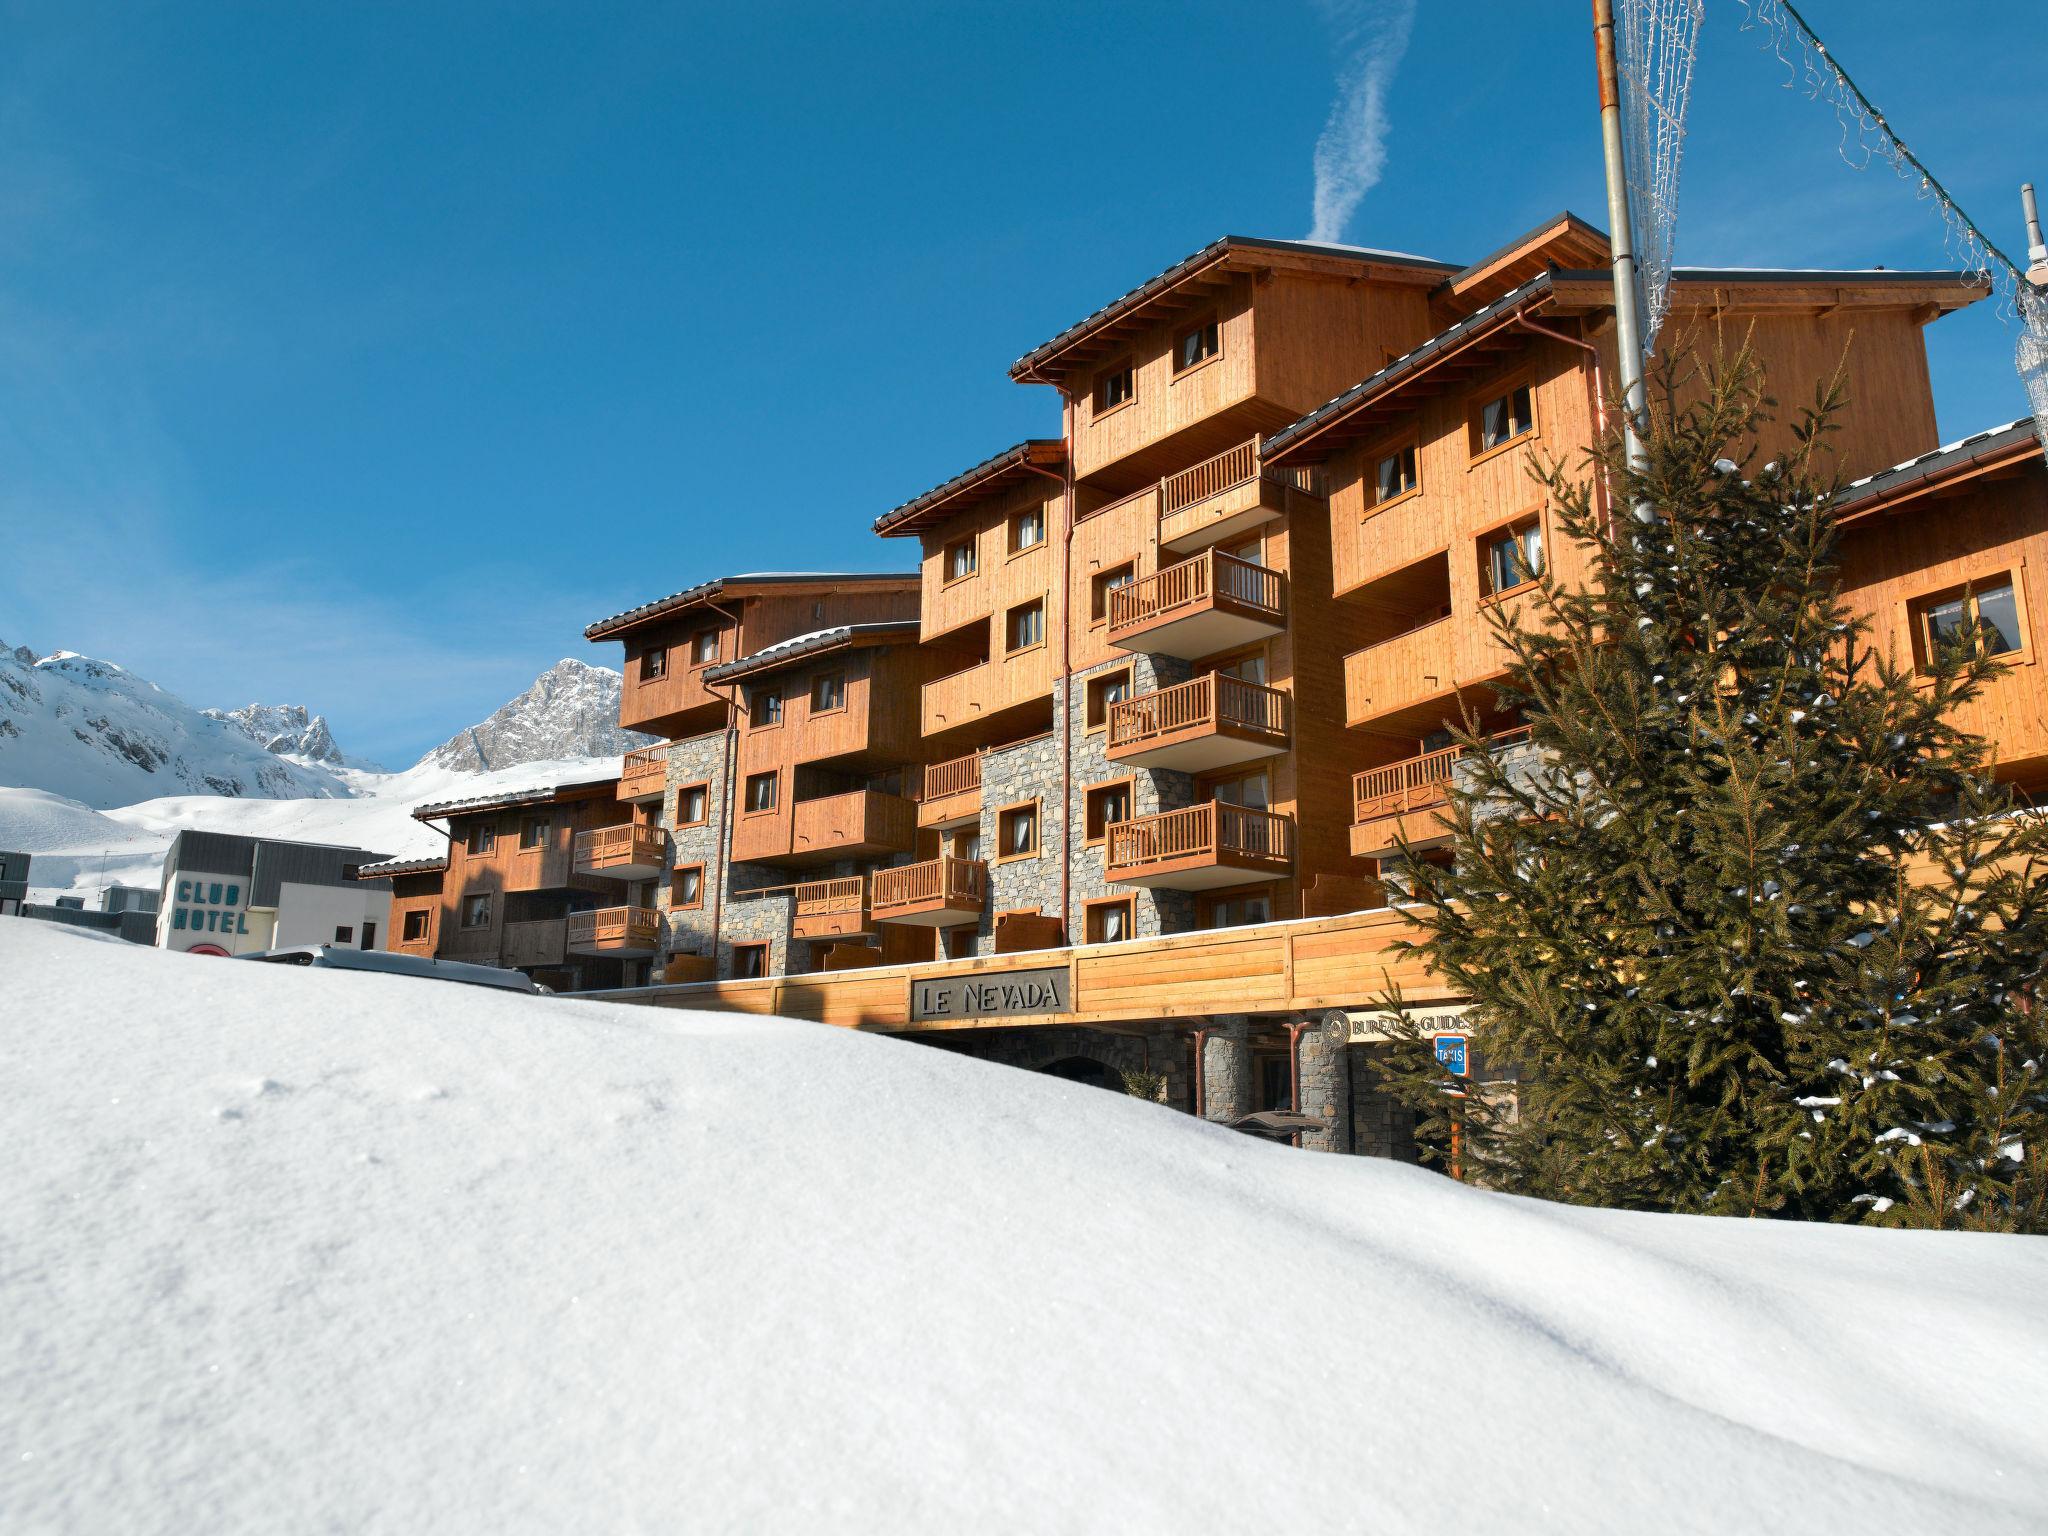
229 895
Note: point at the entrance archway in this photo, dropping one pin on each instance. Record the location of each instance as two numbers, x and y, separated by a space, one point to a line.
1083 1069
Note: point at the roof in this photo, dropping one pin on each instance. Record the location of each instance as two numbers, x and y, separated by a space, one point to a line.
1341 418
390 867
1230 252
507 798
785 652
753 581
1994 447
1563 240
991 477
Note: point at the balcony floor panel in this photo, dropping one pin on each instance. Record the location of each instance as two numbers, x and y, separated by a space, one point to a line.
1186 532
1205 632
931 917
645 871
1202 873
1199 750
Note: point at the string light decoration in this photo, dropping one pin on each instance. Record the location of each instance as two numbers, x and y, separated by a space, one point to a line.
1655 44
1867 136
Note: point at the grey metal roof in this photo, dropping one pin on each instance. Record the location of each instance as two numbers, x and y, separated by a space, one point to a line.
996 465
783 652
506 799
1992 442
1215 251
705 591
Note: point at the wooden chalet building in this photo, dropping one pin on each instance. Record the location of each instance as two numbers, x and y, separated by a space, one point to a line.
1106 782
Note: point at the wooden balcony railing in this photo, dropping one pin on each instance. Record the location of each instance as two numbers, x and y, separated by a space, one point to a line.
630 846
615 928
1414 782
643 771
832 898
947 882
1211 700
956 776
1209 577
1212 477
1212 830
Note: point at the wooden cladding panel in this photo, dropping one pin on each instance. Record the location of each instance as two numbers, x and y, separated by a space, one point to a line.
1319 336
1000 579
508 868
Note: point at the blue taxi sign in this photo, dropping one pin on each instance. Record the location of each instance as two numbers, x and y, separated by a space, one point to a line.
1450 1053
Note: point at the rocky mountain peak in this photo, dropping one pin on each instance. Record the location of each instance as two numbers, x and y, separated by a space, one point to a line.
572 710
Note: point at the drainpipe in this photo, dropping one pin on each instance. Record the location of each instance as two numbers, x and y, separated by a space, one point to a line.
1201 1035
1294 1031
1591 368
732 705
1066 483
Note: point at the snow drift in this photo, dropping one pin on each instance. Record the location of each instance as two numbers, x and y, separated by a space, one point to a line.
286 1250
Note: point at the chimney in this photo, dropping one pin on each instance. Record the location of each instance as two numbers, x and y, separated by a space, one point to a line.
2037 250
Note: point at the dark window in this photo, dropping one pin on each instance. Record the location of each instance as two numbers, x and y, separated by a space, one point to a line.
369 935
749 960
533 832
828 692
416 927
960 560
345 934
761 792
653 663
1114 387
1017 834
1395 475
1103 691
692 801
1502 419
1107 804
687 887
1511 557
1196 346
483 839
1275 1085
704 647
768 707
1105 582
1025 626
476 911
1109 922
1235 911
1983 617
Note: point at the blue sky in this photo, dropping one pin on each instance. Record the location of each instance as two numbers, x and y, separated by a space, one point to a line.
359 355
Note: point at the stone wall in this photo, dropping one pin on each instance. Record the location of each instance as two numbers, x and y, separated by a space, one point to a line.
1380 1126
1153 912
696 760
1033 1050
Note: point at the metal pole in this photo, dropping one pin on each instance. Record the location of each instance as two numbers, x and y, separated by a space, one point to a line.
2037 248
1628 336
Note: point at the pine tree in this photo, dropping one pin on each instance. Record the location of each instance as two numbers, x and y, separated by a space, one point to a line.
1747 924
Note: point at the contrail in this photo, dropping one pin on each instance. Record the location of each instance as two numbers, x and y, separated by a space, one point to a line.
1371 37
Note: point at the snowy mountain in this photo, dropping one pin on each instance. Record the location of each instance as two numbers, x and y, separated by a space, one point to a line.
572 710
98 734
287 730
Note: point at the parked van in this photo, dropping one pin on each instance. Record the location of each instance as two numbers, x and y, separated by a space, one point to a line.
340 957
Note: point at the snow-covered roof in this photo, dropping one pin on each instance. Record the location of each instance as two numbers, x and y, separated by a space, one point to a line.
839 637
392 867
1938 463
705 592
506 798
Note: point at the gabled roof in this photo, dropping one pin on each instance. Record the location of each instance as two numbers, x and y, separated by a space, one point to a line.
1996 449
390 867
753 584
1563 240
993 476
507 799
1195 276
783 653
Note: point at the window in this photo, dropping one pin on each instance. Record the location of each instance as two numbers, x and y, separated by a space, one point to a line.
959 943
1105 805
767 709
476 911
693 805
369 936
686 886
1246 669
761 791
1236 911
704 647
828 692
1275 1076
1105 689
749 960
1027 530
1114 387
1024 627
1983 616
416 926
1017 832
653 663
967 844
533 832
1194 347
1511 557
1108 922
1395 474
1105 582
960 560
345 934
1502 419
1249 790
483 839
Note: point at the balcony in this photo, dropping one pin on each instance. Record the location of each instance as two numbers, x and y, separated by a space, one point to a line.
1403 800
950 794
863 823
831 909
615 931
643 775
1385 681
1201 848
938 893
1223 498
1197 726
1199 607
622 853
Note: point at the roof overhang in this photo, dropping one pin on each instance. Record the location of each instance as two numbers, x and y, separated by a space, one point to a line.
761 584
994 476
512 799
847 637
1196 279
1996 454
391 867
1564 241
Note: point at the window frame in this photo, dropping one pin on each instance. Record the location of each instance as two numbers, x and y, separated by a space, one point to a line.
1015 521
773 776
1392 448
1213 322
1475 415
716 636
702 786
1099 590
1483 542
1036 807
835 675
972 544
481 840
1124 368
760 947
759 700
1206 905
426 923
1011 613
469 901
527 824
1093 689
1128 783
654 664
675 879
1915 609
1091 913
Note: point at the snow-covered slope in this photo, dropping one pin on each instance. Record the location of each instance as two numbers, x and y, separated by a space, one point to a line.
572 710
293 1250
288 730
75 849
98 734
